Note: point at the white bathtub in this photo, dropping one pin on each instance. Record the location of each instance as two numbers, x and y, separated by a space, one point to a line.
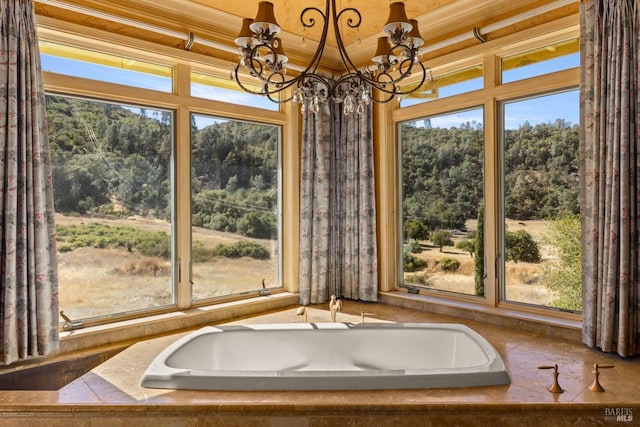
327 356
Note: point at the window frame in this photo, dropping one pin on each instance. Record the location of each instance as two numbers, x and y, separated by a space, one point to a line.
502 262
182 104
385 141
491 97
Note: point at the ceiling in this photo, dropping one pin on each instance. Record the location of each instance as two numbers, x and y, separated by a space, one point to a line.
439 21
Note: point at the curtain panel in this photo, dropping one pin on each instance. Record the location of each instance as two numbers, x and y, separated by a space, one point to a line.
338 248
610 184
29 288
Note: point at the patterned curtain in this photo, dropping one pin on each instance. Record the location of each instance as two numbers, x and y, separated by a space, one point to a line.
610 180
338 252
29 289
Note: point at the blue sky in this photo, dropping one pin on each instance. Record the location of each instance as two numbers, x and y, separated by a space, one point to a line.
539 110
564 105
546 109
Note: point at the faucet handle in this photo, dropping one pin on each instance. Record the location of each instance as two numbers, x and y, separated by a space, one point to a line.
596 366
555 387
595 386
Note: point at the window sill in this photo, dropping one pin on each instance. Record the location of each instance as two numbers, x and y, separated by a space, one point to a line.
563 325
161 324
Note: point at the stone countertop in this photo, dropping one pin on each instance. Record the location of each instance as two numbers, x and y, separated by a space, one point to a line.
115 384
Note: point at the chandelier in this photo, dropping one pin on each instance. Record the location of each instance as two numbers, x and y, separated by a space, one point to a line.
395 60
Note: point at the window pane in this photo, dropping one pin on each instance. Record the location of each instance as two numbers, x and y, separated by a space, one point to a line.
545 60
226 90
235 209
461 81
442 196
541 239
112 190
88 64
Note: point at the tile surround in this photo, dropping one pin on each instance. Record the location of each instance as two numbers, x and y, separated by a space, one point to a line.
110 394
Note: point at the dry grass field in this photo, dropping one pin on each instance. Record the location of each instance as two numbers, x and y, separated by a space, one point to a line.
99 282
524 280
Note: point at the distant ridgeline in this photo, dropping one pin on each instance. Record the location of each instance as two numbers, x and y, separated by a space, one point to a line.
112 160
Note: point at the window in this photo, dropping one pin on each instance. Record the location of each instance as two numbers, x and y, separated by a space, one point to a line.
499 200
545 60
443 86
129 242
442 197
541 228
235 222
73 61
113 200
227 90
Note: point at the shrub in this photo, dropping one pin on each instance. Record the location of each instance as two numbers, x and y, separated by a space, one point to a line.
412 262
221 222
156 244
418 279
449 264
64 248
201 253
96 235
243 248
521 247
415 247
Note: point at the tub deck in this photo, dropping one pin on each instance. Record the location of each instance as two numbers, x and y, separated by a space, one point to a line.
112 391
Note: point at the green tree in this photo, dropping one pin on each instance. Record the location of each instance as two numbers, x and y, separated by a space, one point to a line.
521 247
564 273
414 229
441 238
478 263
467 245
257 224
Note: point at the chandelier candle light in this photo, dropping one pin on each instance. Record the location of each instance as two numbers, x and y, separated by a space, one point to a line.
396 59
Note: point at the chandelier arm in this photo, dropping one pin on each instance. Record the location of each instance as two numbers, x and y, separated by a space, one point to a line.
256 69
311 22
351 23
265 60
404 65
381 84
242 86
312 68
337 91
310 82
